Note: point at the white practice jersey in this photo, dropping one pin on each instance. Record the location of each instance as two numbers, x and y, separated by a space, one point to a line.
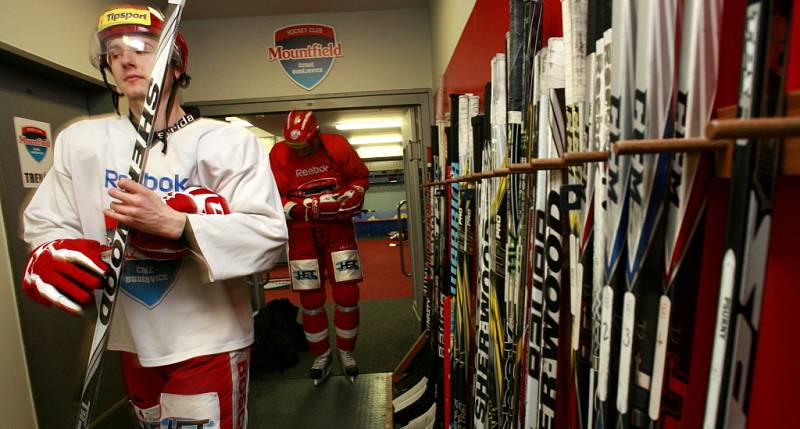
169 311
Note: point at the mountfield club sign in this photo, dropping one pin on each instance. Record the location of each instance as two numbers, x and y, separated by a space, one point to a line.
306 52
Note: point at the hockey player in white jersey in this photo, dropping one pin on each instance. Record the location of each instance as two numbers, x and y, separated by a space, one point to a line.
207 214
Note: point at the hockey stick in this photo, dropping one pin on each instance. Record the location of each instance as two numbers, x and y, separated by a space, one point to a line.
536 306
652 118
685 209
552 378
514 97
144 138
620 52
573 200
497 240
483 403
755 169
450 338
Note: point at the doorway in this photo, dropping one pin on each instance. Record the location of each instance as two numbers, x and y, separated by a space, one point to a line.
391 292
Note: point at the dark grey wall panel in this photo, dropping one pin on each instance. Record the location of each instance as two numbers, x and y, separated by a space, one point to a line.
56 344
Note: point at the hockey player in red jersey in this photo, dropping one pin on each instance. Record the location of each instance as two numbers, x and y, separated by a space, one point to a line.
322 182
206 214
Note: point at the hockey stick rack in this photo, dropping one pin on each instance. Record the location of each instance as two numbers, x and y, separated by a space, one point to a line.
721 134
400 371
726 126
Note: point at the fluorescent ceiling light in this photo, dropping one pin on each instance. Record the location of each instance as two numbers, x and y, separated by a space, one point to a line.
241 123
376 139
366 125
235 120
260 133
389 151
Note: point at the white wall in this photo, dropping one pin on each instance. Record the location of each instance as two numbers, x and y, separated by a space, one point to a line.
383 51
16 399
448 18
52 31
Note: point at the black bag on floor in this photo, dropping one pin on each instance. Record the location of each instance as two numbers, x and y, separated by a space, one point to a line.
278 336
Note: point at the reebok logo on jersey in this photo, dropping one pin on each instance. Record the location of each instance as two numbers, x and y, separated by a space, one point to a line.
303 172
163 184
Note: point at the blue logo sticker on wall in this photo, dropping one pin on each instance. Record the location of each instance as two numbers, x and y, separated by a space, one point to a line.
306 52
35 141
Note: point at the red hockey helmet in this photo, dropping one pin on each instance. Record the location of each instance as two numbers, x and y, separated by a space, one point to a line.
301 128
131 21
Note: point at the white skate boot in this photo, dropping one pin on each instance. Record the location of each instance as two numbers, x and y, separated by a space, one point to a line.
321 368
349 365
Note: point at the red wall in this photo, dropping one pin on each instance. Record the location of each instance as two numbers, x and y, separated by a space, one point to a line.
793 77
484 36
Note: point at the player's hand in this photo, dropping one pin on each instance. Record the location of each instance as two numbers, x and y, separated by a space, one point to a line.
317 207
64 273
193 200
350 202
143 210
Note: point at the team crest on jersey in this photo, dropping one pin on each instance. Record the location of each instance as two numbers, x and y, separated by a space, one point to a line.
316 186
306 52
148 281
36 142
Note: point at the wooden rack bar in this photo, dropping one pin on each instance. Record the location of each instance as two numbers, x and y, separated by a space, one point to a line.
583 157
754 128
538 164
631 147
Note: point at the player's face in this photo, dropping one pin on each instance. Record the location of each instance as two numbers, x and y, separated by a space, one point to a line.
131 58
303 148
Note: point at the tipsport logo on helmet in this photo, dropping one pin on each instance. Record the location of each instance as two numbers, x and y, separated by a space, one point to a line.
306 52
123 16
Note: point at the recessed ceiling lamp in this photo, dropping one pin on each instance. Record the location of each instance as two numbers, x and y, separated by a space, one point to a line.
368 125
389 151
376 139
234 120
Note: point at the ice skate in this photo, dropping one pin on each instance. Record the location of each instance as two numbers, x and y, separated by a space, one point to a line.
321 368
349 365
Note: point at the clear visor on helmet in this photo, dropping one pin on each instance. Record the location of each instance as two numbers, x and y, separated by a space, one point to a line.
303 147
105 52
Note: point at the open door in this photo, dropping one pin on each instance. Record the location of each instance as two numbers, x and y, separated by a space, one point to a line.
413 165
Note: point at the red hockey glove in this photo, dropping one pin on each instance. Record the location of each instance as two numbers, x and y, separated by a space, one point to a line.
317 207
193 201
351 201
64 273
329 205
